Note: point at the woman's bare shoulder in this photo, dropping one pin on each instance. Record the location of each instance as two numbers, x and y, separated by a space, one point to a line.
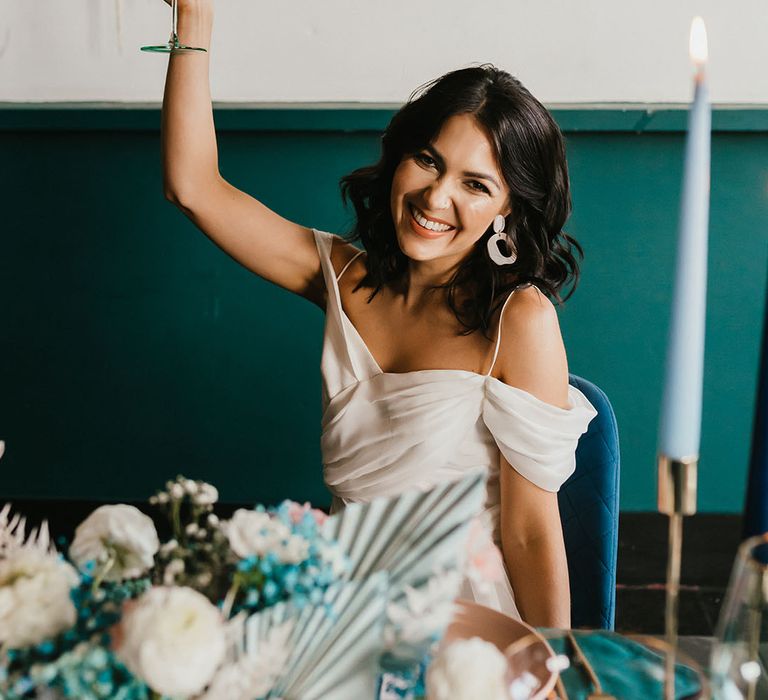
532 355
529 299
341 253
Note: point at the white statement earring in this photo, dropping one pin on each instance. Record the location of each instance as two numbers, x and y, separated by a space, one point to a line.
500 237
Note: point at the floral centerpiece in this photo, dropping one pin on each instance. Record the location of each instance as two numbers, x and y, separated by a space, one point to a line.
124 616
272 602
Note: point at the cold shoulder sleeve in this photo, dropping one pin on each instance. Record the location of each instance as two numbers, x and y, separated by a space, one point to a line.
538 439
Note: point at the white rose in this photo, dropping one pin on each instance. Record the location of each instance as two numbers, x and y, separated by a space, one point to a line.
254 533
35 601
466 670
123 530
174 640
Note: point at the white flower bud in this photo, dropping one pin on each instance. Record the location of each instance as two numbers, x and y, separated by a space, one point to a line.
175 568
177 492
168 547
208 495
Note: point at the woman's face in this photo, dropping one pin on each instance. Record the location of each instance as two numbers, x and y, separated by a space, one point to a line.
445 197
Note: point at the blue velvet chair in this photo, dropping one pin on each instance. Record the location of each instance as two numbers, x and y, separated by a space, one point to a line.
589 510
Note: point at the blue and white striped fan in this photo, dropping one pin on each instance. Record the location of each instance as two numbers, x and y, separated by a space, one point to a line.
334 646
392 543
409 536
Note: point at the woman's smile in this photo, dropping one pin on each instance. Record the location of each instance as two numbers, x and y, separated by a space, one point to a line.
425 226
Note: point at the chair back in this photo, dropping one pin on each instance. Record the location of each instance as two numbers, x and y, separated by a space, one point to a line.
589 510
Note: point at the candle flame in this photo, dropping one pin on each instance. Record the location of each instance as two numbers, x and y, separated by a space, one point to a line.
698 43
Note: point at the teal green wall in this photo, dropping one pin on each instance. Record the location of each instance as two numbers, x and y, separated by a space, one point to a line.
131 348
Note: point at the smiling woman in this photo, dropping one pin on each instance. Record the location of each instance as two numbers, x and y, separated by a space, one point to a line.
418 388
468 147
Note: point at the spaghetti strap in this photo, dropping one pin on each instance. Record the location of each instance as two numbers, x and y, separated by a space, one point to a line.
344 269
498 332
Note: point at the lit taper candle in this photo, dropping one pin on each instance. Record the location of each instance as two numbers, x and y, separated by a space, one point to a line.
680 427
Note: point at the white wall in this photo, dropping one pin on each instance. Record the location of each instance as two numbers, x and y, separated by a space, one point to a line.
569 51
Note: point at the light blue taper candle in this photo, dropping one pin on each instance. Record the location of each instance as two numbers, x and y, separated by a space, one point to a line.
680 428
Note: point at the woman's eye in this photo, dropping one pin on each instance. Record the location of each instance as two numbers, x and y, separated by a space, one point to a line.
480 187
427 160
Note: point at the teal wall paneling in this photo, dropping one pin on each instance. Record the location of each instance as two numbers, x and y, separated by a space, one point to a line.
132 349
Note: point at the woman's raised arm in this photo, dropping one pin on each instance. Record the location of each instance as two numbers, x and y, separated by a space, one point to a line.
272 247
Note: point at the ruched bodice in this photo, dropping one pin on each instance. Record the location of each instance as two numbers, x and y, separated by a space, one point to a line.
384 433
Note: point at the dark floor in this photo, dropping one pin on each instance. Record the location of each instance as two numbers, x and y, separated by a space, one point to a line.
709 546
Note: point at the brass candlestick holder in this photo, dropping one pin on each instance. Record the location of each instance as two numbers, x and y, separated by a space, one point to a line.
676 498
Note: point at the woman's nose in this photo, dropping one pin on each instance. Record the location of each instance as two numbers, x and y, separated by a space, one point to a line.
438 195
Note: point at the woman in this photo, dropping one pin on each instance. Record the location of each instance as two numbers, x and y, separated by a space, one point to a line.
462 222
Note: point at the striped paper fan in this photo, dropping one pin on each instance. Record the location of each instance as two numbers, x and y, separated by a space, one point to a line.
409 536
334 646
392 543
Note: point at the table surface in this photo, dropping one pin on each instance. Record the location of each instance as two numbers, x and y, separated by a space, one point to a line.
698 649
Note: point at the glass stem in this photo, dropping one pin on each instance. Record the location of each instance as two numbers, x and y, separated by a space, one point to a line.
174 29
754 625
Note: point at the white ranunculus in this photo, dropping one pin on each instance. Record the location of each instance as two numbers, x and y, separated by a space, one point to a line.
35 601
467 669
174 640
121 530
254 533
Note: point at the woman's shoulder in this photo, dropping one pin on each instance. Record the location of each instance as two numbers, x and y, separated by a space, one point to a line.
532 355
529 301
528 317
342 253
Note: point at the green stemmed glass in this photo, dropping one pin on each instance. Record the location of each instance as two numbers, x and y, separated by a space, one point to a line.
173 45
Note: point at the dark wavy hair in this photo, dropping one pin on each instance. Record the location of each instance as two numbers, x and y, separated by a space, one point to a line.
530 153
